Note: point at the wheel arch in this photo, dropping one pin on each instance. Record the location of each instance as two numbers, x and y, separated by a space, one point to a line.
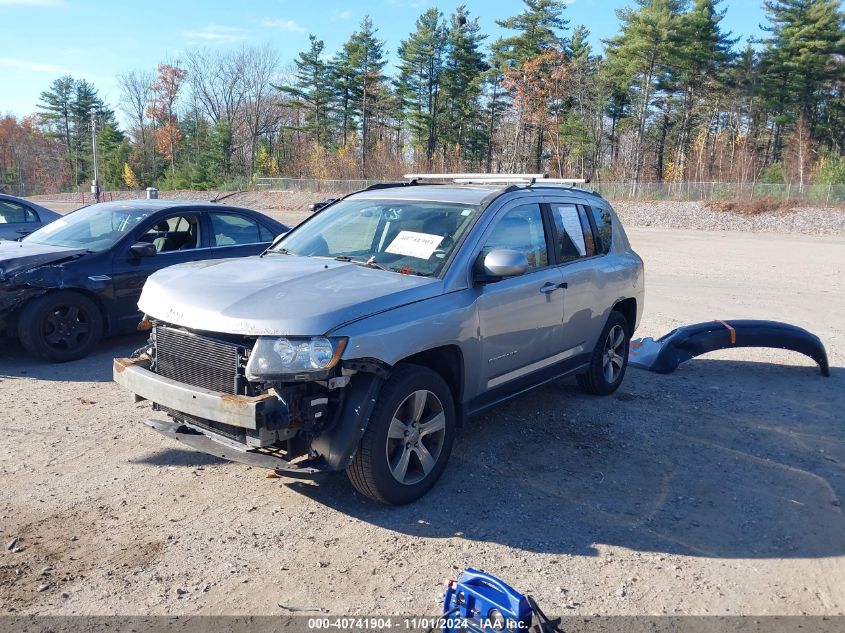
448 362
628 309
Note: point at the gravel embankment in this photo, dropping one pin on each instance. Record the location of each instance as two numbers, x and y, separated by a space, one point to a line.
695 215
289 206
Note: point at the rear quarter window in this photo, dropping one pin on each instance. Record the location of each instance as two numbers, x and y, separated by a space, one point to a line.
604 229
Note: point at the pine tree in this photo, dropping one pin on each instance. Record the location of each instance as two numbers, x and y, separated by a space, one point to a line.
421 72
799 62
701 51
537 30
56 103
312 90
463 77
113 148
68 109
579 45
363 63
638 59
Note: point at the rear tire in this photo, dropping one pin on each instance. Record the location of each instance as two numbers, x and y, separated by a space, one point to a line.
60 326
609 359
408 439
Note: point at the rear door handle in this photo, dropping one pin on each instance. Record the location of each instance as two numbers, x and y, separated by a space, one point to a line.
550 287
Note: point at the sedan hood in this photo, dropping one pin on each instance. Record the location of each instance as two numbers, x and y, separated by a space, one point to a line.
16 257
277 295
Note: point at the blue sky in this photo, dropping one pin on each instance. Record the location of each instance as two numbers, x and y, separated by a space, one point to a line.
98 39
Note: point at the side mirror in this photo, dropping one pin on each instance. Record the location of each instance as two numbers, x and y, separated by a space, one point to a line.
143 249
503 263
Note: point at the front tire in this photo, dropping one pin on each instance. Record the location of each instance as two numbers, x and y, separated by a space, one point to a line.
610 358
408 439
60 326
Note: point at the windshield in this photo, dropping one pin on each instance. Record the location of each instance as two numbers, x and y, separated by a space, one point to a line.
410 237
95 228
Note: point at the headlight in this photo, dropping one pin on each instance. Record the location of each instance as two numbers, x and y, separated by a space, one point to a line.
293 358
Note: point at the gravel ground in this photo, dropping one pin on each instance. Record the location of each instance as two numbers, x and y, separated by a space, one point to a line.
713 490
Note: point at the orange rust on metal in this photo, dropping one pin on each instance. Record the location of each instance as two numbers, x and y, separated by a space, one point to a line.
240 402
145 325
122 364
730 329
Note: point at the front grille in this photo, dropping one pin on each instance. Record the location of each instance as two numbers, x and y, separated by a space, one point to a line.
199 360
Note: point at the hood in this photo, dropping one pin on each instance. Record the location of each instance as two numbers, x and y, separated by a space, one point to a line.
277 295
16 257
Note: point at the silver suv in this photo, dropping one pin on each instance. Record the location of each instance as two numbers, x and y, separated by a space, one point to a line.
363 337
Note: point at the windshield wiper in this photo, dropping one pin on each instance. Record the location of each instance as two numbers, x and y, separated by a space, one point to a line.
370 263
278 251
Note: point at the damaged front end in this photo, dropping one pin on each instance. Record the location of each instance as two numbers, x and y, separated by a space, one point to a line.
26 276
300 423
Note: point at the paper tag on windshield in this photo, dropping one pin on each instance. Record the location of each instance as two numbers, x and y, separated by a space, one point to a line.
411 244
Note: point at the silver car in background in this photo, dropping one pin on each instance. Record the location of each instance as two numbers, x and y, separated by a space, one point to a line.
363 337
19 217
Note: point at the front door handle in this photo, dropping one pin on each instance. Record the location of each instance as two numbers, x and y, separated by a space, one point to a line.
550 287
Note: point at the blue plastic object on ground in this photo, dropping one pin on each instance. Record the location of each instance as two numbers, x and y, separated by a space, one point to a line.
484 603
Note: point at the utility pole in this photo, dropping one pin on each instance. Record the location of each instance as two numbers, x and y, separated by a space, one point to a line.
95 184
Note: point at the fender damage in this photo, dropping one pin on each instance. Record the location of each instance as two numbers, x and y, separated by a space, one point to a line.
24 278
663 355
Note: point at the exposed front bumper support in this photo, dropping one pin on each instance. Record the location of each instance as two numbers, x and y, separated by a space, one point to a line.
218 446
247 412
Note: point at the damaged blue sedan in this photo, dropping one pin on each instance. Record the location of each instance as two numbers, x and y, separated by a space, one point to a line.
65 286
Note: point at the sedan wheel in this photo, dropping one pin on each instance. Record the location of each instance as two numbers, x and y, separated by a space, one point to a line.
60 326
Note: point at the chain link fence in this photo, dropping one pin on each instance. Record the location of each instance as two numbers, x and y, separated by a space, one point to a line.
313 185
691 191
697 191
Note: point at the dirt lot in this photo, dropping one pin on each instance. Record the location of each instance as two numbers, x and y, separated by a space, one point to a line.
716 489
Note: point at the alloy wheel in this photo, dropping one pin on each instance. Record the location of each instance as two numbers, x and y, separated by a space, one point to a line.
614 348
415 437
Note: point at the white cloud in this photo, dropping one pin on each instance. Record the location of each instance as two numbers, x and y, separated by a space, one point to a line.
285 25
217 33
33 3
339 16
34 67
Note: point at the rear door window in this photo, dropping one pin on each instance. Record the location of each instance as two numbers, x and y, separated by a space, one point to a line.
264 233
14 213
230 229
604 228
574 238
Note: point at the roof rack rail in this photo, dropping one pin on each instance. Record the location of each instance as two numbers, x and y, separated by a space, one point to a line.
466 179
